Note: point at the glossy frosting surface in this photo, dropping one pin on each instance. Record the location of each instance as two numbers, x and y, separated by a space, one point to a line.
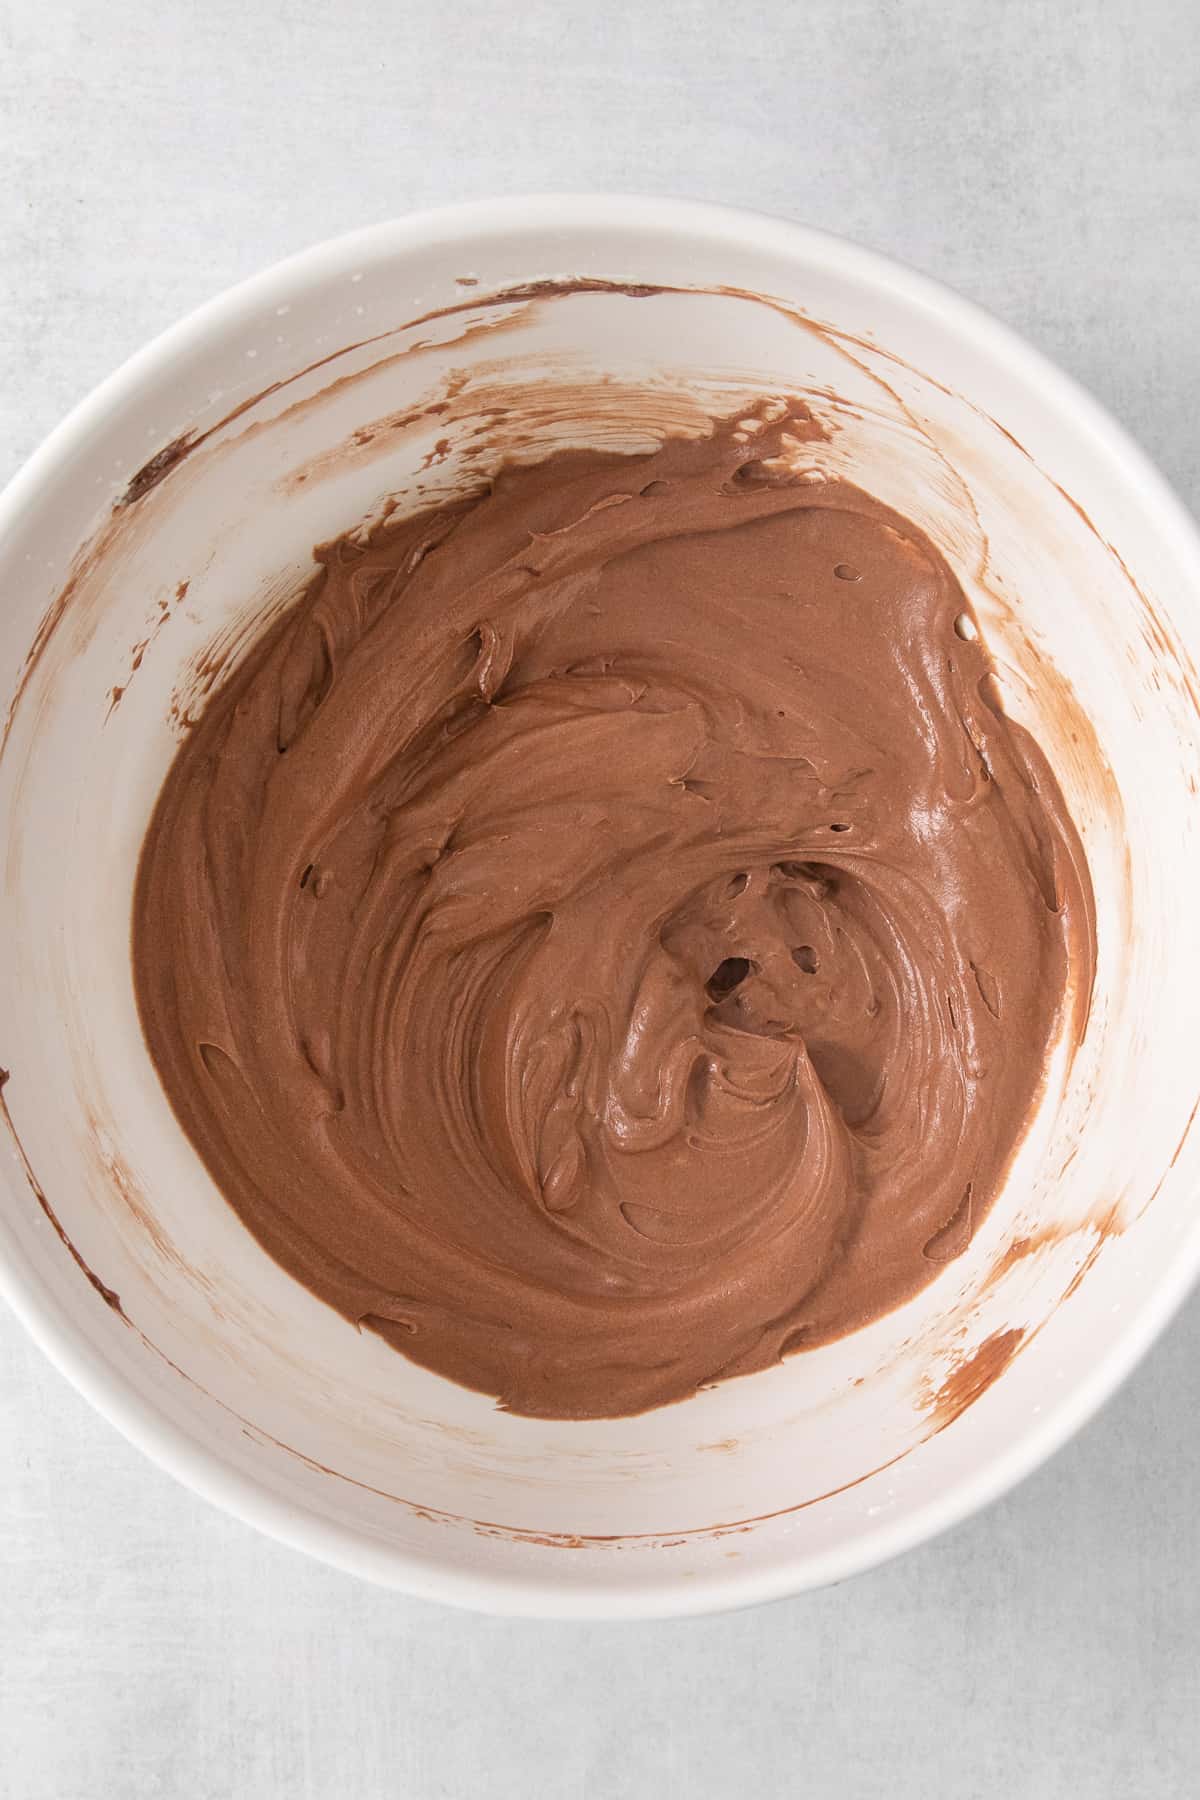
608 936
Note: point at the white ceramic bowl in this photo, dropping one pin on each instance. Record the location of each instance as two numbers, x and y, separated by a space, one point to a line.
116 1249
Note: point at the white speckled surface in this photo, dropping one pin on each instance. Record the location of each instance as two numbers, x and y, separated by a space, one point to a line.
1043 160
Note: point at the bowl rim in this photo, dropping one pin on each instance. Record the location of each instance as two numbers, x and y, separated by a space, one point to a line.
537 1593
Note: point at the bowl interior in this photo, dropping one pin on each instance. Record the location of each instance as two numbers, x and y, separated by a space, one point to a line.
170 520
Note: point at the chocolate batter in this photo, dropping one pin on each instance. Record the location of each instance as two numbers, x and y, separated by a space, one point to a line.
608 936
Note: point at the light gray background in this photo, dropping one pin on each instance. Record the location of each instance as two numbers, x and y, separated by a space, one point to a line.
1044 159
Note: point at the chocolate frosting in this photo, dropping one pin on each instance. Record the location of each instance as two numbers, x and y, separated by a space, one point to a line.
608 936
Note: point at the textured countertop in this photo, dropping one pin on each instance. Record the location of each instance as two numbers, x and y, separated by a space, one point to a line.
1045 160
